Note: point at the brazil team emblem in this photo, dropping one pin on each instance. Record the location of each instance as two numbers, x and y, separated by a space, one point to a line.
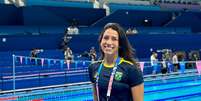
118 76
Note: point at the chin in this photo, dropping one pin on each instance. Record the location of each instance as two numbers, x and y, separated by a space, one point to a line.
109 53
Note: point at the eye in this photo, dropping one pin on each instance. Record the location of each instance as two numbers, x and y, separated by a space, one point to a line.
114 39
106 37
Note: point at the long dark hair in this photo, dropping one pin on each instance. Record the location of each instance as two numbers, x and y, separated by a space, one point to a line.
125 49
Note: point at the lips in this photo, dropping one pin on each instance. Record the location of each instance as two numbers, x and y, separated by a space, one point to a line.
108 47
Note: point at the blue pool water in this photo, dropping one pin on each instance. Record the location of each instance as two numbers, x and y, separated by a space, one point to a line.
178 89
186 88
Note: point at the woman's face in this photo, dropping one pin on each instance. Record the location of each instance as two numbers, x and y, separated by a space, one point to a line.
110 42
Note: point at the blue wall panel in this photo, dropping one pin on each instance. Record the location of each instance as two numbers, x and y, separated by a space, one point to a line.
143 42
80 43
10 30
27 42
188 19
181 42
10 15
115 7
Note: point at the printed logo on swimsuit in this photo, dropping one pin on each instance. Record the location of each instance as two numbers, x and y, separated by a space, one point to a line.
118 76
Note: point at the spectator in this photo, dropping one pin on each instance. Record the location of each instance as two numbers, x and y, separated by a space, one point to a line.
72 30
129 31
164 65
34 52
132 31
135 31
92 54
68 55
195 57
154 62
175 62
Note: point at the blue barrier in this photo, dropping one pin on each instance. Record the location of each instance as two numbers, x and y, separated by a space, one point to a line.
115 7
59 3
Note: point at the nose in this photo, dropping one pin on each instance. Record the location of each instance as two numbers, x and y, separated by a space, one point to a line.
109 41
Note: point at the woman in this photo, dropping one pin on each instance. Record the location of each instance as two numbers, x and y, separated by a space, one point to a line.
116 77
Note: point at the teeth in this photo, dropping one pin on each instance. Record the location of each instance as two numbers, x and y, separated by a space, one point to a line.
109 47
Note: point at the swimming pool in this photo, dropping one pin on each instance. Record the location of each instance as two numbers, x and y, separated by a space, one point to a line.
65 95
181 87
69 92
173 89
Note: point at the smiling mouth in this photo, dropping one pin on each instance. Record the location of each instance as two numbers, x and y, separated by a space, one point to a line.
108 47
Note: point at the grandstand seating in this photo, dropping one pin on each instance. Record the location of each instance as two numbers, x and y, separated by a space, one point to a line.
161 23
26 23
131 2
180 7
188 2
136 17
43 19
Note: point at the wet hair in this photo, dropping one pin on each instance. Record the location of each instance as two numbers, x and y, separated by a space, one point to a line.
125 49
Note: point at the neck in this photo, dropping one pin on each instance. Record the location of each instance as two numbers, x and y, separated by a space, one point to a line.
110 59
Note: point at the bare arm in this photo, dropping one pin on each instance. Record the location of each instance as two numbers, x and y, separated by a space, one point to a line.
138 92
